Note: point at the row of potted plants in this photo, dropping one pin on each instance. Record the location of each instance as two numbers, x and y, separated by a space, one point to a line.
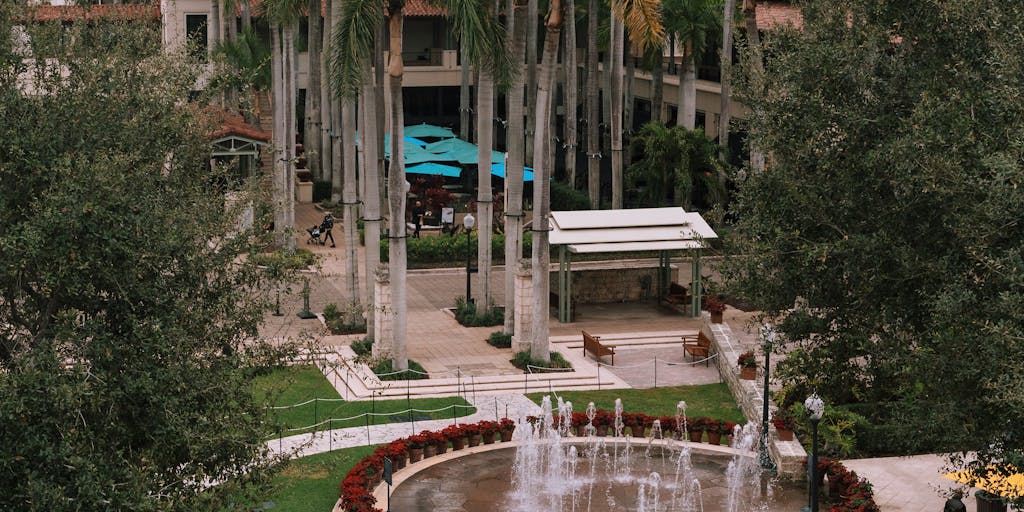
639 424
854 494
356 487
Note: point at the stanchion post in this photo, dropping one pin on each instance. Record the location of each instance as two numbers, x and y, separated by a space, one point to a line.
655 372
496 409
367 430
526 382
599 375
330 435
315 416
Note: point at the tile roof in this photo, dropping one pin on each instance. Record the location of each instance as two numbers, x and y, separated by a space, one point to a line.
422 8
770 14
92 12
228 124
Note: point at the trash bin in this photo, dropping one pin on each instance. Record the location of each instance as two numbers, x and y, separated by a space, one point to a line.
988 502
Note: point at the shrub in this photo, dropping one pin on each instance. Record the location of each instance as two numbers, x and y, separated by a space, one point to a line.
467 315
451 249
565 198
522 359
500 339
363 347
348 321
385 371
298 260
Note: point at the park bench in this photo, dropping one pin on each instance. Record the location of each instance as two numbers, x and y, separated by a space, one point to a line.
593 344
677 294
697 345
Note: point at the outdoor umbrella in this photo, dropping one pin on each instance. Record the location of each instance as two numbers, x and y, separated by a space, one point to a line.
434 169
499 171
428 130
470 156
408 140
450 145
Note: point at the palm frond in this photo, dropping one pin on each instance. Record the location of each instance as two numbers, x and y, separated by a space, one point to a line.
250 56
351 42
285 12
642 19
484 38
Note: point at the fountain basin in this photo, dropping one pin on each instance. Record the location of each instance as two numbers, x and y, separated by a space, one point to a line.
480 478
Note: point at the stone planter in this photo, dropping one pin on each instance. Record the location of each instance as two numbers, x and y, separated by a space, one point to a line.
303 191
785 434
716 317
748 373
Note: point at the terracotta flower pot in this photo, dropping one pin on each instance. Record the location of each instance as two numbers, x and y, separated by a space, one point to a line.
398 462
506 436
716 317
415 455
474 440
748 373
785 434
440 448
714 438
458 443
637 430
429 451
602 430
488 437
695 436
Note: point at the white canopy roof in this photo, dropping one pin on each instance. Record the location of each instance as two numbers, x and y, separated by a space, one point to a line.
641 229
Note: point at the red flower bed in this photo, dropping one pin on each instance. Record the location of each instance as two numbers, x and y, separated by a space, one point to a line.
854 492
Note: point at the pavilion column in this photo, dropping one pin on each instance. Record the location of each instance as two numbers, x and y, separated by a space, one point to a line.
523 313
564 285
695 283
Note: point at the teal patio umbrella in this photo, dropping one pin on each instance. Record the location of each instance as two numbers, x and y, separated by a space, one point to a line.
499 171
450 145
428 130
470 156
434 168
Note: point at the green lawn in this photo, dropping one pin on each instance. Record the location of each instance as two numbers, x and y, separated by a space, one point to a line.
711 400
310 484
296 384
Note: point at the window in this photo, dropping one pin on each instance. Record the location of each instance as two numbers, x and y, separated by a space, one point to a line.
197 36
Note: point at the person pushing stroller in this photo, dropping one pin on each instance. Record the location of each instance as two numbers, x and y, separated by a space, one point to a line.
325 228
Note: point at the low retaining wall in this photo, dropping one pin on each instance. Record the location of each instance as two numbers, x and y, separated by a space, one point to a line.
789 456
612 281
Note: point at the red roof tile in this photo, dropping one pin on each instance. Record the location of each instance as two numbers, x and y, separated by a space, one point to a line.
422 8
770 14
92 12
229 124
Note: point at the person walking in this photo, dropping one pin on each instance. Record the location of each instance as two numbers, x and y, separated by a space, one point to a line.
325 228
418 212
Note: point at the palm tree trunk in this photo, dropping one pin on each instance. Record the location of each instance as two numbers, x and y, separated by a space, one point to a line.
465 112
325 156
381 110
627 113
658 83
246 13
571 94
396 198
723 120
289 116
215 26
615 53
514 167
540 347
756 72
531 75
349 197
280 171
371 197
337 178
311 139
484 205
687 116
593 131
231 35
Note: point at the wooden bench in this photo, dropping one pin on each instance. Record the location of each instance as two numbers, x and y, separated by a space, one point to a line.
677 294
593 344
697 345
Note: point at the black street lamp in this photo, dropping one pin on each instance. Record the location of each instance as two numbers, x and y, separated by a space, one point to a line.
815 409
767 340
468 222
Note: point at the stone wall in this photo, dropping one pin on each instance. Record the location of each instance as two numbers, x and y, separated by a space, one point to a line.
789 456
611 281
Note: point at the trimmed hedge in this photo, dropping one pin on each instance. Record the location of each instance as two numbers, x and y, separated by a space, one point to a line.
451 248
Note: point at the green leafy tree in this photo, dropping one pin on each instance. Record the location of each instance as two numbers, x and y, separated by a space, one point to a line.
679 167
127 312
886 230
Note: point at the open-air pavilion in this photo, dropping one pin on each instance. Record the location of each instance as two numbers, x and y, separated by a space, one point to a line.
660 230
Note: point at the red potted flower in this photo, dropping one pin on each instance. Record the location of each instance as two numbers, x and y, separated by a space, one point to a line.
602 421
397 452
713 304
489 429
416 444
783 423
455 435
433 439
715 429
748 365
729 430
472 432
696 428
507 428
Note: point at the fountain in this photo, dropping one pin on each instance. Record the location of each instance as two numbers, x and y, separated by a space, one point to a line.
551 471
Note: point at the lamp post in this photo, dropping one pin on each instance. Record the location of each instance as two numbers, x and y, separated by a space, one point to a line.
469 221
767 340
815 409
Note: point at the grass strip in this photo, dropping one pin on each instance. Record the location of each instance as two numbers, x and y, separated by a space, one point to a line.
310 483
711 400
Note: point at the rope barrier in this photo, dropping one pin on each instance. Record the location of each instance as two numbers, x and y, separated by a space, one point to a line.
453 407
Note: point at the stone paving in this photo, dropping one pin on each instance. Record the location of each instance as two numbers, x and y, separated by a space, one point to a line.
906 484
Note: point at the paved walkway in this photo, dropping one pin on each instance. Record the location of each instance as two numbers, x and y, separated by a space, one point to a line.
903 484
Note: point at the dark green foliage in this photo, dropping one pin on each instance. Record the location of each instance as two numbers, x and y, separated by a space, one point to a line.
522 359
677 167
499 339
363 347
451 249
468 315
321 191
347 321
385 371
566 198
128 314
887 228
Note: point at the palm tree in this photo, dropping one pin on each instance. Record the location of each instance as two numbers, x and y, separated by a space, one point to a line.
571 93
311 139
371 194
690 21
514 165
723 120
756 69
540 347
531 74
678 168
593 132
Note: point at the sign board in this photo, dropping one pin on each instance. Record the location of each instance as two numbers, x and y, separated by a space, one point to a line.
388 470
447 215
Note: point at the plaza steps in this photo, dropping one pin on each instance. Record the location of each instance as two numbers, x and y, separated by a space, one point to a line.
624 339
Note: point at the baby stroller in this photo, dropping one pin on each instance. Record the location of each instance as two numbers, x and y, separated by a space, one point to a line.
314 236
